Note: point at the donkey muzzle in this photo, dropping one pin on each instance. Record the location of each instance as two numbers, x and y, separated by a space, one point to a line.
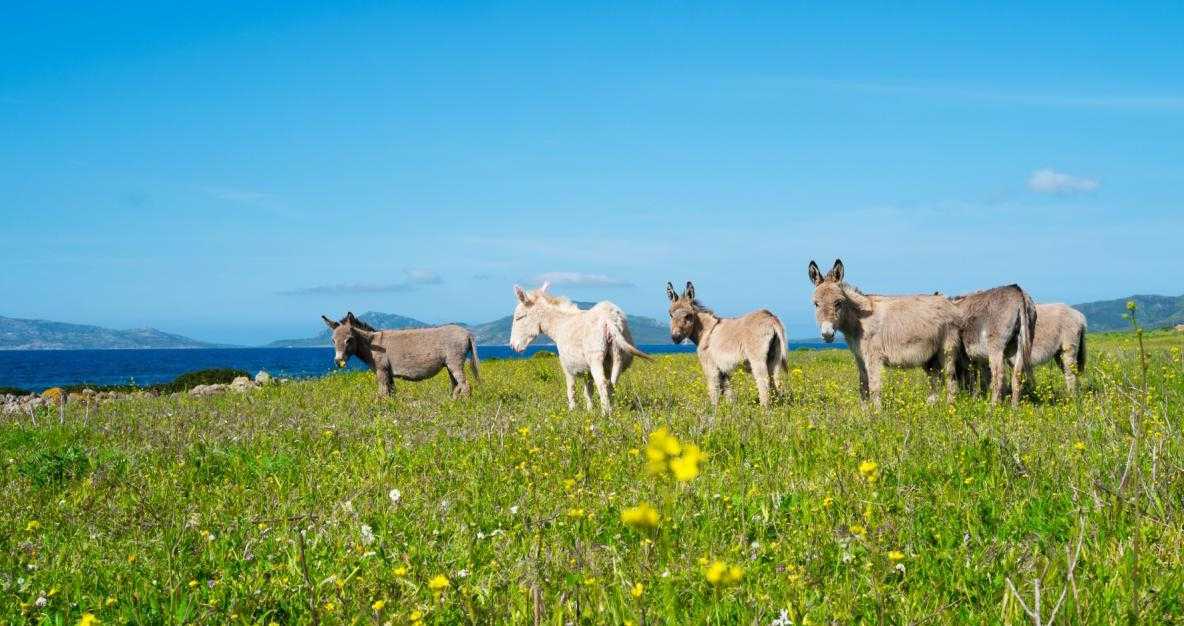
828 333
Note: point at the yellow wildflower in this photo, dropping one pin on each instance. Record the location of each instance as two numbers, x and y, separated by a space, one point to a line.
192 584
640 516
88 619
895 556
378 604
720 574
575 513
869 470
857 530
637 590
439 583
1079 446
686 467
400 571
32 525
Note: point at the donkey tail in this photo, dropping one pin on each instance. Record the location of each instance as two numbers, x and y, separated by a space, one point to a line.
1027 332
1081 350
473 356
782 346
619 338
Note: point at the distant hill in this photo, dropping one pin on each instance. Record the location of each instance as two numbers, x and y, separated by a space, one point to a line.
23 334
1154 312
646 330
373 318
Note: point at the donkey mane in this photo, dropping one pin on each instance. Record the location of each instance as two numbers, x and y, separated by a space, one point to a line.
699 307
982 291
563 302
358 323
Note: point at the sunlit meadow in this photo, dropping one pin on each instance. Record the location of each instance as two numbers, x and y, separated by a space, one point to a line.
316 502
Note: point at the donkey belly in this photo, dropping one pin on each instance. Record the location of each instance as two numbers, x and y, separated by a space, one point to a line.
417 367
912 353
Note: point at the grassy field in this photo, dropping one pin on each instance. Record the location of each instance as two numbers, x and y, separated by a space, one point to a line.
314 502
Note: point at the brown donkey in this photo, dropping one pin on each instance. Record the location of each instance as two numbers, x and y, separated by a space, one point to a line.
412 354
998 324
894 331
755 341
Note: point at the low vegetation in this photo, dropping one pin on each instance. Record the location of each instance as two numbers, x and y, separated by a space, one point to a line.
315 502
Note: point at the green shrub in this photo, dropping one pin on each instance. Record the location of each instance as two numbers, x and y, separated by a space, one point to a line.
189 380
16 391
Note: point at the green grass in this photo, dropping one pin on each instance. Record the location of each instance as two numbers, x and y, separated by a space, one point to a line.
251 508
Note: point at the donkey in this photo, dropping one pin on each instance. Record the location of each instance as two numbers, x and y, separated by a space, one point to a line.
1060 336
755 342
998 324
594 342
412 354
894 331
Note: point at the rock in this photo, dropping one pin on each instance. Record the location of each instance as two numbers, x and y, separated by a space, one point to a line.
242 383
262 377
53 395
207 390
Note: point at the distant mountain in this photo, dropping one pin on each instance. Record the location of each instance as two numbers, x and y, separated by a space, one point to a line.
22 334
373 318
1154 312
646 330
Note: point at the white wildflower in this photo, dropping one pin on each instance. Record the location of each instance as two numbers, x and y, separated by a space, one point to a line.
514 510
40 601
367 535
395 495
464 573
782 620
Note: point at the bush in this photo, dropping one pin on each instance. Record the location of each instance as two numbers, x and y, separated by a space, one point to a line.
15 391
189 380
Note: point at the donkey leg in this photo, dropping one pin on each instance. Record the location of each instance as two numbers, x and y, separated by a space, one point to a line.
996 364
385 381
863 382
949 368
776 362
456 373
618 365
1017 381
601 382
452 382
760 372
714 381
1069 367
586 387
874 371
729 391
571 390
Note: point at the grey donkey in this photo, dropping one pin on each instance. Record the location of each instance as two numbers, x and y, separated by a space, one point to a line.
999 324
894 331
412 354
755 342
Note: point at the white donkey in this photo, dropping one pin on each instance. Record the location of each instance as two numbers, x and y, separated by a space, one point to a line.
594 342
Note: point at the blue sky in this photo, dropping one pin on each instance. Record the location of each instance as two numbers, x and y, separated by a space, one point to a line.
232 172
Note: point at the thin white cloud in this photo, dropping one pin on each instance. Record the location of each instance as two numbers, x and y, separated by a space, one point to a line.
1051 181
231 194
579 279
413 279
1138 102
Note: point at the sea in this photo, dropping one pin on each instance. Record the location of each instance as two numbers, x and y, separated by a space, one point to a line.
36 370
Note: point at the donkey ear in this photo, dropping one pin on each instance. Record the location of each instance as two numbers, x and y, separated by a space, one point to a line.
546 283
689 294
523 297
349 317
330 323
815 274
836 272
670 292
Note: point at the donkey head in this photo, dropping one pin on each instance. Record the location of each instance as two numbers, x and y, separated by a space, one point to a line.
346 335
683 309
527 322
831 303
